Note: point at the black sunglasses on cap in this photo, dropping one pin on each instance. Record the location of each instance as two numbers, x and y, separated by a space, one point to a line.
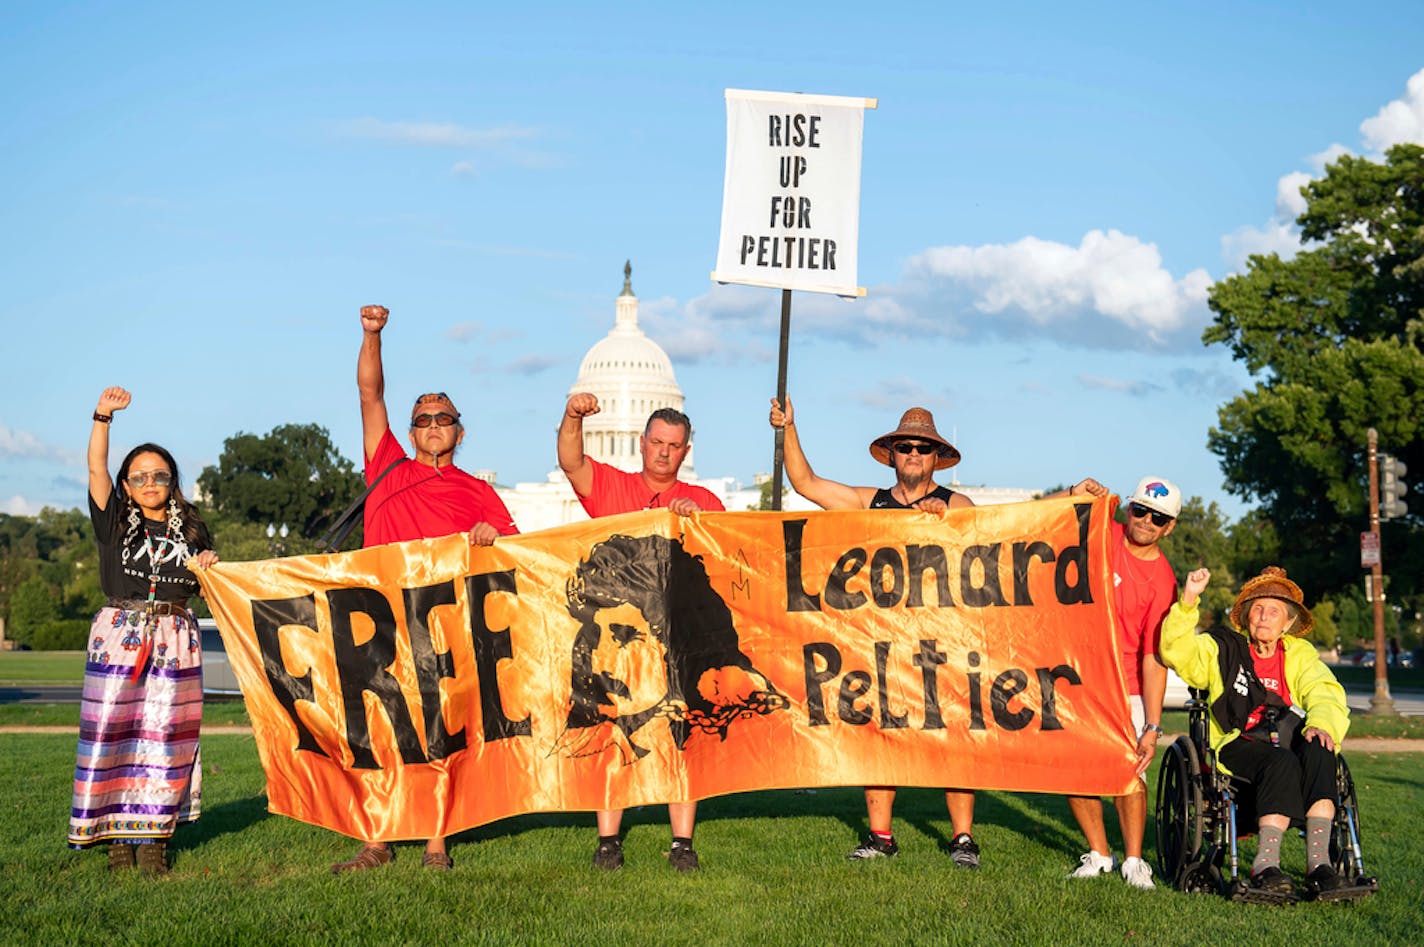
1138 511
917 447
443 419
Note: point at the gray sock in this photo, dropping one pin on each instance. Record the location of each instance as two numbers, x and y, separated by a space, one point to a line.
1317 842
1268 852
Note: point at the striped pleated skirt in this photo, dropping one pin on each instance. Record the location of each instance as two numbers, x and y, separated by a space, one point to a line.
137 773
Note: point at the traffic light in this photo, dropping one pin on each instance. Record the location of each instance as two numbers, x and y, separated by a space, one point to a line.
1392 487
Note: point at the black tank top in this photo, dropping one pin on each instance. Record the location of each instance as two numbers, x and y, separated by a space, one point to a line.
885 500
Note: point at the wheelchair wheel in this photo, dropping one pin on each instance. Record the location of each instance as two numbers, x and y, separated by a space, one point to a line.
1345 834
1180 820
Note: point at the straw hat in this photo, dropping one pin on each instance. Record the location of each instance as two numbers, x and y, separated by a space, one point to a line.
917 424
1272 583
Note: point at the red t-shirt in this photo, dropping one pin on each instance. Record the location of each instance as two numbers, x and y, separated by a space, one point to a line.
616 491
415 501
1143 591
1272 672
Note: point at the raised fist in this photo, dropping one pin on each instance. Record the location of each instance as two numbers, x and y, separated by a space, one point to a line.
373 318
113 399
581 405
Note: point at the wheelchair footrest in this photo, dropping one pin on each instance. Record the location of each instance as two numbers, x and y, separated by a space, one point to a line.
1243 892
1361 887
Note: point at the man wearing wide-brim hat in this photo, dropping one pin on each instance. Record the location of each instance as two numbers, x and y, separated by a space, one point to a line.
915 451
1279 724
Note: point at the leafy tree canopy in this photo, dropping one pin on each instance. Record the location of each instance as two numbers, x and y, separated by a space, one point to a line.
293 475
1335 338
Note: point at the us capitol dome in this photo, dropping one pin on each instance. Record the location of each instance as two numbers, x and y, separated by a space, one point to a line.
632 377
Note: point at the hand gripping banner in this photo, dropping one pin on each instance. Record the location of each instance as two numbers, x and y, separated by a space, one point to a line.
415 690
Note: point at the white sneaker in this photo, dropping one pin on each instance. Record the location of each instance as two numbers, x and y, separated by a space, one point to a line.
1093 865
1138 873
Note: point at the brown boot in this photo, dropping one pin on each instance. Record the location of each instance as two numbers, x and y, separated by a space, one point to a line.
121 856
153 858
370 856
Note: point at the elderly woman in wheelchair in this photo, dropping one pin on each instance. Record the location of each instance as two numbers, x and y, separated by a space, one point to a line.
1275 719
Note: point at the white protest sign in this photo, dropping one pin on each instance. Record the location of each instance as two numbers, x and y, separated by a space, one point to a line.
791 199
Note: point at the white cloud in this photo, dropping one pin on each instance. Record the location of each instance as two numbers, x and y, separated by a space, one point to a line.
463 169
1281 237
1110 279
19 506
1109 292
895 393
534 364
1122 386
23 444
433 134
1400 121
1290 202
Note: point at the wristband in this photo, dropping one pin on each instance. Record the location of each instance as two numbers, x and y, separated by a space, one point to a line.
1151 726
103 418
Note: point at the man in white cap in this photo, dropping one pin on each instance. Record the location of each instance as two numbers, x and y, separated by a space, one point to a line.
1144 588
914 450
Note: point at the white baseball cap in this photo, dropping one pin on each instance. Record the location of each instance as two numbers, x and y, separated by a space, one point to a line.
1157 493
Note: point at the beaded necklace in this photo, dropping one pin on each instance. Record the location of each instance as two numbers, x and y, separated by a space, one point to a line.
150 622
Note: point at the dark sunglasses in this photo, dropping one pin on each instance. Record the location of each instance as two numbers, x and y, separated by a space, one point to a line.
443 419
160 478
1158 519
916 447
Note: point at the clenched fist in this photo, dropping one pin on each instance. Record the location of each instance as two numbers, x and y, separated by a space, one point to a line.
373 318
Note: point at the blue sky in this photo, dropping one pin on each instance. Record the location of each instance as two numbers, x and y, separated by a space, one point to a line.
199 198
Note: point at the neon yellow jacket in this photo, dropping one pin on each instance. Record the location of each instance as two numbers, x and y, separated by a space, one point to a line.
1313 687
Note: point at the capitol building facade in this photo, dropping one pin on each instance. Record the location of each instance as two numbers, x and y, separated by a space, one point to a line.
632 377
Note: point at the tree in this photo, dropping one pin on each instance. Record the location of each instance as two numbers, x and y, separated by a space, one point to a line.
292 475
1335 339
32 606
1200 539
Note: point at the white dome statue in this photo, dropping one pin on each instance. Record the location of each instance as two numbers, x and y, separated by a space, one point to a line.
632 377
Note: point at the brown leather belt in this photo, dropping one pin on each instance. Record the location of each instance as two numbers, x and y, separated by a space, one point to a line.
179 607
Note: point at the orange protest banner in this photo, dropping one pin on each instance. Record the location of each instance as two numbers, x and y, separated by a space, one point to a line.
419 689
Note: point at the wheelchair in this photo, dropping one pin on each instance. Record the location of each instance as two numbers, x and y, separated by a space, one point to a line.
1201 812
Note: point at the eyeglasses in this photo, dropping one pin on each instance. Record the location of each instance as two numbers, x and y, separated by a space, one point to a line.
159 478
917 447
1138 511
443 419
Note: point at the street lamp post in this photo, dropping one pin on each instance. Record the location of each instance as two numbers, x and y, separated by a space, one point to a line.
1381 702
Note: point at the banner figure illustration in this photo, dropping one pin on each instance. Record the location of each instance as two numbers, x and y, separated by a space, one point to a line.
418 689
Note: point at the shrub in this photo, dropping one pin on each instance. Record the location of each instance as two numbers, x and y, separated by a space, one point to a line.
61 634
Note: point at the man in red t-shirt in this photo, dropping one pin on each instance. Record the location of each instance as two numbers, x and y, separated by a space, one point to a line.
422 498
1144 588
607 491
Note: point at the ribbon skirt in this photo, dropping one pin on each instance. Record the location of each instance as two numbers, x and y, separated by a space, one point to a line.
137 772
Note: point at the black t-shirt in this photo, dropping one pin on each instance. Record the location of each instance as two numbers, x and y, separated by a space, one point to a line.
885 499
127 577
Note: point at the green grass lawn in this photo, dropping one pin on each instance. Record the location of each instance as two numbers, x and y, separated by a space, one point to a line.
773 873
41 667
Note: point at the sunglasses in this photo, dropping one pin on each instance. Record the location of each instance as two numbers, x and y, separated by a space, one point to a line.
443 419
916 447
1138 511
160 478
